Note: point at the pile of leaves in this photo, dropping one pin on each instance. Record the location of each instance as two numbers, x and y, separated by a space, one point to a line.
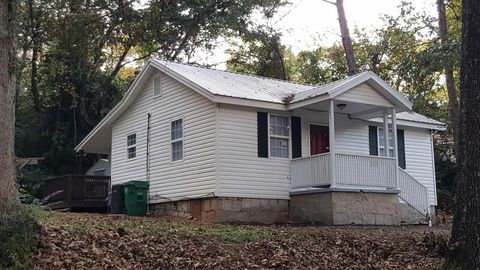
88 241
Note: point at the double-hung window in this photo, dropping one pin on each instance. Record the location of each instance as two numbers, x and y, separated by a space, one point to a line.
132 146
381 142
176 139
279 136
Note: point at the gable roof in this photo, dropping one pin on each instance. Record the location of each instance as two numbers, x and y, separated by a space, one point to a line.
243 89
233 84
220 83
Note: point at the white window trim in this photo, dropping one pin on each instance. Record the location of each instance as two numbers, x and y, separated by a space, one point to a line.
280 136
177 140
160 76
131 146
382 147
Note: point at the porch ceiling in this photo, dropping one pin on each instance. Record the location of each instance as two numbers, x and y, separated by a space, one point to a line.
351 108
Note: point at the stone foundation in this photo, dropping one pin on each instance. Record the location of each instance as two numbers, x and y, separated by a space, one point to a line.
328 207
409 215
322 206
230 210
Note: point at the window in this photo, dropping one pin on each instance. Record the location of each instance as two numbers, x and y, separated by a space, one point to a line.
381 142
131 146
279 136
176 137
157 86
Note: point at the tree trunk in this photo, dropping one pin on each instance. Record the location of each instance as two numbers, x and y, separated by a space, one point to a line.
346 40
8 195
450 82
465 241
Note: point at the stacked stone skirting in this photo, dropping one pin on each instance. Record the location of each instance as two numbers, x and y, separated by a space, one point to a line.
230 210
345 208
326 207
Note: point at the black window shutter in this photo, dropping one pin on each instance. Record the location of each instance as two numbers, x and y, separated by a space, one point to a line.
401 148
296 137
262 133
372 140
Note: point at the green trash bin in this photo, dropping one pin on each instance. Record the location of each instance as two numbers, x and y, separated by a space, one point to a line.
136 193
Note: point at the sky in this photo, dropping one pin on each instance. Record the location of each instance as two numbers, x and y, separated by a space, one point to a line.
305 24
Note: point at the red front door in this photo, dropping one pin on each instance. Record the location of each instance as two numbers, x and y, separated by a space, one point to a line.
319 142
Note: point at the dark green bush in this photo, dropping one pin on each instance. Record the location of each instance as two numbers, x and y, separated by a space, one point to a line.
19 238
29 181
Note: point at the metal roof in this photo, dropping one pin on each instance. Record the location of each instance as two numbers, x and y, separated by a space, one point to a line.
252 87
416 117
232 84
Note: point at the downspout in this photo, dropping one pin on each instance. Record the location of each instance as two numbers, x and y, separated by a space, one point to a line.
147 160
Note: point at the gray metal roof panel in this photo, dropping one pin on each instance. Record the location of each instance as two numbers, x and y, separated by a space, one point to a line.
231 84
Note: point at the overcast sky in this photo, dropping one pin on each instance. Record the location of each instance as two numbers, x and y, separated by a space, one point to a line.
305 23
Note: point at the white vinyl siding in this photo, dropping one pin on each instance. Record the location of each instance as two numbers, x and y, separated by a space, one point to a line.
365 94
194 176
351 136
420 159
241 173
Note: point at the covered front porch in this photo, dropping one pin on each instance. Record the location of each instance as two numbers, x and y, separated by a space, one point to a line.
325 163
353 144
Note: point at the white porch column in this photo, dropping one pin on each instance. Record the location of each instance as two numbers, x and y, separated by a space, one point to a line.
395 144
385 130
331 136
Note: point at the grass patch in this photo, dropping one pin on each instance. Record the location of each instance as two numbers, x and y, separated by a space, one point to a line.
83 223
19 238
226 233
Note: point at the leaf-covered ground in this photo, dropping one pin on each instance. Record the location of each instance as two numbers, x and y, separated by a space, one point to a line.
93 241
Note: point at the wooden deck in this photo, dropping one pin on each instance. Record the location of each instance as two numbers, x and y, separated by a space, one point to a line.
77 192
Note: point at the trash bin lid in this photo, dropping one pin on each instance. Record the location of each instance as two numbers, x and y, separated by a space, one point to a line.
137 184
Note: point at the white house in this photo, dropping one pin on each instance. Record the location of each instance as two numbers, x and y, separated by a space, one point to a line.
226 146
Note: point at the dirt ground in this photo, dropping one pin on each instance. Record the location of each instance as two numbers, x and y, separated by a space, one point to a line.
94 241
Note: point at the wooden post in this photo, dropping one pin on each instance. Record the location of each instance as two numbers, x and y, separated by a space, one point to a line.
331 136
385 129
395 144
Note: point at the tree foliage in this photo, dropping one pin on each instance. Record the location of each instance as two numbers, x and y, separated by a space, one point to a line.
79 57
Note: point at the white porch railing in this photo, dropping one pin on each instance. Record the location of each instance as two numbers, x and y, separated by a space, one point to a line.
359 171
312 171
365 171
413 192
351 170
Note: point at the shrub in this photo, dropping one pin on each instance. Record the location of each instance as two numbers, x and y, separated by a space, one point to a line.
19 238
29 181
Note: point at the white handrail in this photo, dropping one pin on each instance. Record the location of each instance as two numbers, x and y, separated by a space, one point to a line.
413 192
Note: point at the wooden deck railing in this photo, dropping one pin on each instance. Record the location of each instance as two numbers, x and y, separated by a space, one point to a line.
76 191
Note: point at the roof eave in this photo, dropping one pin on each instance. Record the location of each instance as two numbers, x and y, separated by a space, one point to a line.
108 118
